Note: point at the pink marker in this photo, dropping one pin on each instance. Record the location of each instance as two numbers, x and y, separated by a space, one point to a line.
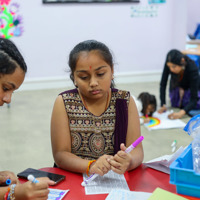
134 144
128 150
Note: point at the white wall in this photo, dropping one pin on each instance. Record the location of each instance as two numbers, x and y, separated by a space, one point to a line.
193 15
139 44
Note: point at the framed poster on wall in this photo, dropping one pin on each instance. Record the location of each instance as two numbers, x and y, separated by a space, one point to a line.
90 1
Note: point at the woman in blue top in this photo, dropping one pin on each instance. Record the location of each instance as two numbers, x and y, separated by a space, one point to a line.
184 84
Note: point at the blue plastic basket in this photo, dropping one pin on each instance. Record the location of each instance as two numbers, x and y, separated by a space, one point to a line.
183 176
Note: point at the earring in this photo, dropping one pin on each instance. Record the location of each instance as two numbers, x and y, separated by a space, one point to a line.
112 77
75 84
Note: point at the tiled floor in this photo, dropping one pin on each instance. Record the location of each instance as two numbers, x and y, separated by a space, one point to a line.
25 129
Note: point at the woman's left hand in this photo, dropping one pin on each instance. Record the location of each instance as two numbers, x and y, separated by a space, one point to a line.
121 161
177 115
4 175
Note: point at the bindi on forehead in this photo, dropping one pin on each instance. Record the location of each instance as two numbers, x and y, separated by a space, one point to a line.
90 67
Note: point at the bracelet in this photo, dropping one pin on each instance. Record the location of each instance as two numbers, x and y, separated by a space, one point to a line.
6 195
88 167
11 193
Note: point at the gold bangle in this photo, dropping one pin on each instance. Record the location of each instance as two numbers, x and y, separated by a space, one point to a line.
88 167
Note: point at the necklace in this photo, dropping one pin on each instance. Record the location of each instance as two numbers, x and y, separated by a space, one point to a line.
97 120
107 101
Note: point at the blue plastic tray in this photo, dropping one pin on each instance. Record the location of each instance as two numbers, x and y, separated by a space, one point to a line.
183 176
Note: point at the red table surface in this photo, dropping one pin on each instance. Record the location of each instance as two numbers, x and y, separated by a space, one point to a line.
140 179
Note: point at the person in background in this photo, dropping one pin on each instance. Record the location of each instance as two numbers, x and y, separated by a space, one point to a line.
93 124
184 84
146 105
12 73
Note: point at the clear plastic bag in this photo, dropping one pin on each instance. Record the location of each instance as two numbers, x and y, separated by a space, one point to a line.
193 129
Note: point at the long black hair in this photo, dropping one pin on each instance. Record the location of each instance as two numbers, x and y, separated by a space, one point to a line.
147 99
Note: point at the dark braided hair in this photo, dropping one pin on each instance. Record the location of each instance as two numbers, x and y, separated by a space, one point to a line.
10 57
147 99
87 46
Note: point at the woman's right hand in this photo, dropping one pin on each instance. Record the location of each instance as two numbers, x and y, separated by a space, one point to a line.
101 166
162 109
36 191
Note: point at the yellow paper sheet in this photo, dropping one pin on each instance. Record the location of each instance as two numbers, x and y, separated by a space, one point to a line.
160 194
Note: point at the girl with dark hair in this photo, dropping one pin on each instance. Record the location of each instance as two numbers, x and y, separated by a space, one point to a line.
184 84
12 73
92 125
12 67
146 104
149 103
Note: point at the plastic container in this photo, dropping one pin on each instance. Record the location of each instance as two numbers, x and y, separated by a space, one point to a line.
183 176
193 129
196 153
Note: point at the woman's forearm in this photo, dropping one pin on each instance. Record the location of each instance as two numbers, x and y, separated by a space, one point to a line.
71 162
3 191
137 158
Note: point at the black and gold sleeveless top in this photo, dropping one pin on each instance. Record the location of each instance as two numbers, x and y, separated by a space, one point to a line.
92 136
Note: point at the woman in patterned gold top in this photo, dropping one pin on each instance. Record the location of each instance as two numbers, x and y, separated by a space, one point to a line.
93 124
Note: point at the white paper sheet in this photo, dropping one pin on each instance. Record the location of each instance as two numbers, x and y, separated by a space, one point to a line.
162 163
105 184
165 122
55 194
126 195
